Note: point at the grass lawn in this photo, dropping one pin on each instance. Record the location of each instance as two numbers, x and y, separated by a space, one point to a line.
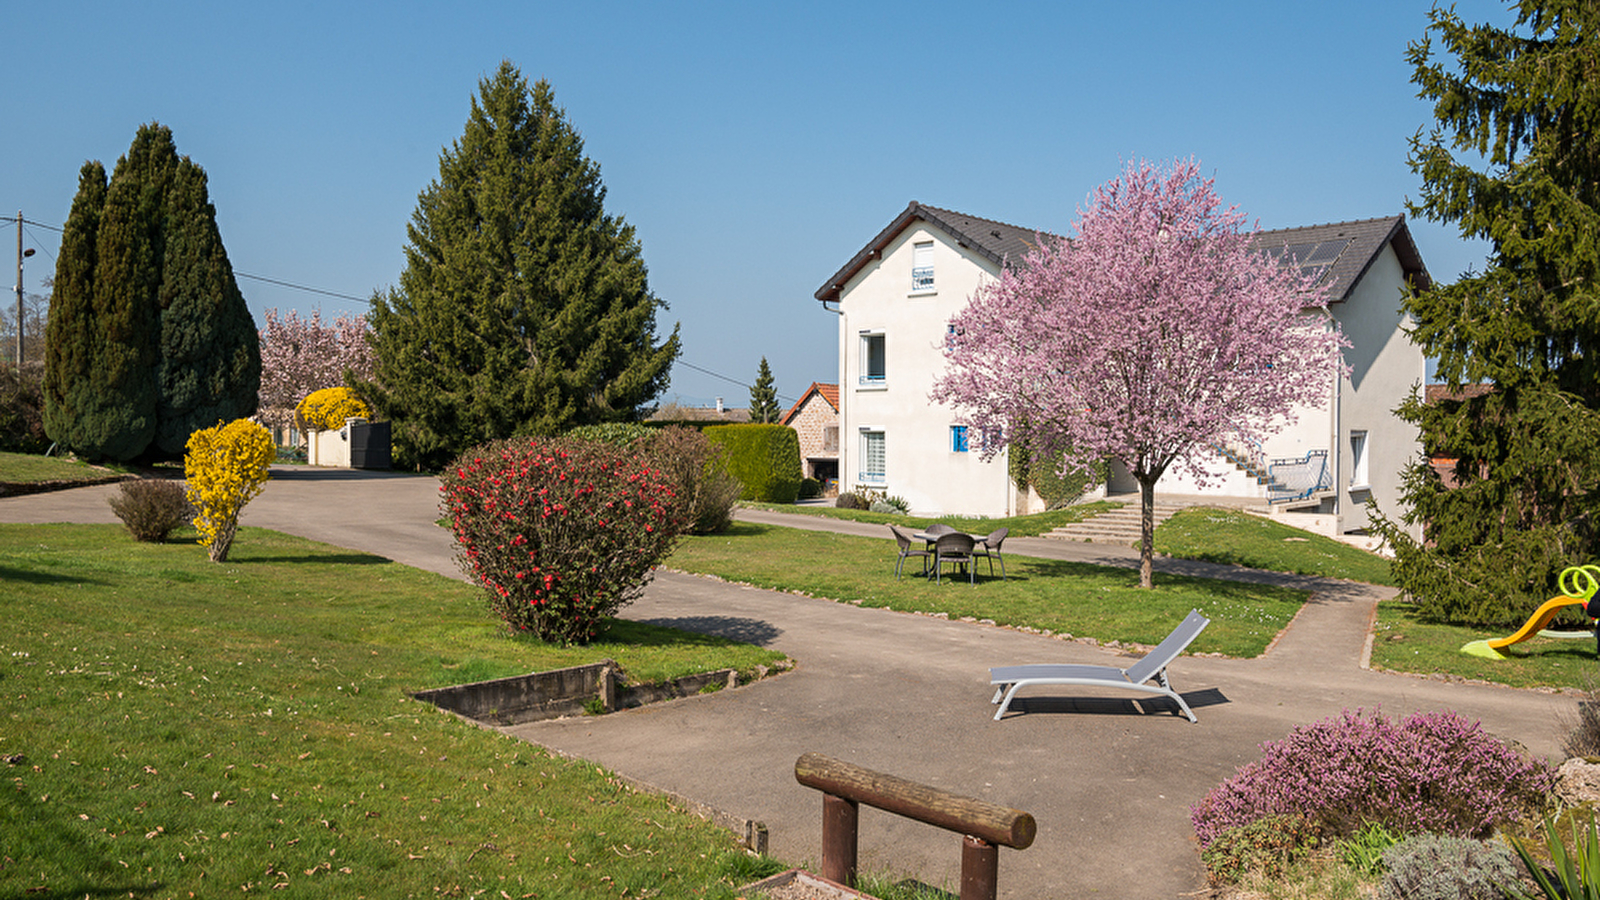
1403 643
1080 599
1239 538
177 728
1021 526
31 468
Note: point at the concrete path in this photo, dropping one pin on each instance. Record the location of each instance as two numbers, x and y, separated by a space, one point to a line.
1108 782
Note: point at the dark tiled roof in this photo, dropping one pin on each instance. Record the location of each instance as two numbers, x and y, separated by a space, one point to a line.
1005 244
996 241
1362 241
828 392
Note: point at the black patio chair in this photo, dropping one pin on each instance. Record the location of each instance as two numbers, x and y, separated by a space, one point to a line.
955 548
907 548
989 547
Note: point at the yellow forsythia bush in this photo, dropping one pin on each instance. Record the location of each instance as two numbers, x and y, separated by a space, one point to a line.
226 468
326 410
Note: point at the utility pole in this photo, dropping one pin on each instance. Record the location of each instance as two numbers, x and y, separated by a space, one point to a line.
20 257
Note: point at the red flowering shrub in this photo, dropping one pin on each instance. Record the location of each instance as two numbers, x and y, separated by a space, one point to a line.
561 533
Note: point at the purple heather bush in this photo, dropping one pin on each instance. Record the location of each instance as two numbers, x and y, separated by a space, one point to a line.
1431 772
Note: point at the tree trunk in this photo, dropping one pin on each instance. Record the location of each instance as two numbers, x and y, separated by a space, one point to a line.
1147 529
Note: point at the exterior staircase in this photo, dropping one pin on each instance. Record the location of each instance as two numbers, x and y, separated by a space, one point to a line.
1114 526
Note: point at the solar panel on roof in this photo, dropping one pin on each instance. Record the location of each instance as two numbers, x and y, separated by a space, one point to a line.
1327 251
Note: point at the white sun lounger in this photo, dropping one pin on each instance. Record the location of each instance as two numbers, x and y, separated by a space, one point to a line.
1011 679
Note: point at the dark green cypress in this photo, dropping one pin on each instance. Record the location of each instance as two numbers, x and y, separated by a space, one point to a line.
210 350
1526 100
149 337
764 397
523 308
70 335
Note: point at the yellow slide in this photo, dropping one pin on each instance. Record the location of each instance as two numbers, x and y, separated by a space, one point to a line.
1578 586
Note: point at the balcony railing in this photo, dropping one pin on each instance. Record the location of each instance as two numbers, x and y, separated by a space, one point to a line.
871 477
922 278
1298 479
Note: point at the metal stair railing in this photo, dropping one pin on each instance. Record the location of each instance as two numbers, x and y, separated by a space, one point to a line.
1298 479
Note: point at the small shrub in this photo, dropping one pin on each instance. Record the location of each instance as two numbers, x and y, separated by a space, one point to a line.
1440 867
22 409
899 503
1265 846
882 506
1430 772
705 490
810 489
226 467
561 533
850 500
326 410
1582 723
151 508
1363 851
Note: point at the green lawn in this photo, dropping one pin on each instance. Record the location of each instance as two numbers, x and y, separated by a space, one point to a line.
1402 642
1239 538
1079 599
1021 526
32 468
177 728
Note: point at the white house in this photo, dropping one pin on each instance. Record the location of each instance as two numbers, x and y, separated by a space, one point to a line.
895 298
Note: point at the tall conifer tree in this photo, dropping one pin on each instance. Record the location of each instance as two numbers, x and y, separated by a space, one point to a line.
1527 452
523 308
150 338
764 396
71 338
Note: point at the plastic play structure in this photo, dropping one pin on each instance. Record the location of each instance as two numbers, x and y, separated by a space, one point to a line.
1578 587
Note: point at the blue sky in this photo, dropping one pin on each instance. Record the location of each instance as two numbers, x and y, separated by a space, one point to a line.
754 147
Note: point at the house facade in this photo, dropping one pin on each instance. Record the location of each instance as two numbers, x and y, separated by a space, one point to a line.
895 298
815 420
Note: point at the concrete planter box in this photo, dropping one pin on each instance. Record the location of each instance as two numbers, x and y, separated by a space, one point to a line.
563 692
801 885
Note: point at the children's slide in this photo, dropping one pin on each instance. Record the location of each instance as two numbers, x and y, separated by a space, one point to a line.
1578 586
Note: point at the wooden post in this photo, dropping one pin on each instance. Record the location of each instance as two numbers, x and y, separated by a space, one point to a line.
952 812
840 819
980 869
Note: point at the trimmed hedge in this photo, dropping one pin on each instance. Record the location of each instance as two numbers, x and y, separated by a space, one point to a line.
765 459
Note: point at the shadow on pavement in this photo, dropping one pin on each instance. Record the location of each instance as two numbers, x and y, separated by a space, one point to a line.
749 631
1114 706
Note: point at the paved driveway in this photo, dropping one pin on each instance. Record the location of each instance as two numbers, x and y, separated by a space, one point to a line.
1109 783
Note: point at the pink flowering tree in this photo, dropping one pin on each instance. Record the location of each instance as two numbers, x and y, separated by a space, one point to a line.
303 355
1152 334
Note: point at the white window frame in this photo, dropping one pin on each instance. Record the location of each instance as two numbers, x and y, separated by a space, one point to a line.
865 378
922 268
1360 460
867 475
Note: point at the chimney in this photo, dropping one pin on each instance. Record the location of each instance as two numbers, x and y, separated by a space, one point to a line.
719 406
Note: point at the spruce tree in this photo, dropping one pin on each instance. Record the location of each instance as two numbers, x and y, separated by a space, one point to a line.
1525 101
764 397
150 338
523 307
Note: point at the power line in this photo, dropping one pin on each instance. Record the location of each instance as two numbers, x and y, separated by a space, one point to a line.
326 293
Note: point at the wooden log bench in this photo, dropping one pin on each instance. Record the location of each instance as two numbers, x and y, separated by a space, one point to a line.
985 827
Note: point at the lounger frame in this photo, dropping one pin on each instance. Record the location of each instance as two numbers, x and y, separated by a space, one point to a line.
1137 677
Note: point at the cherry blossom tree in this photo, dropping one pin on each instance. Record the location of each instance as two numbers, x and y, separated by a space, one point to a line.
1154 333
302 355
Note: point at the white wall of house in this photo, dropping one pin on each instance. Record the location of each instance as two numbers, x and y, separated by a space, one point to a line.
1384 367
919 462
